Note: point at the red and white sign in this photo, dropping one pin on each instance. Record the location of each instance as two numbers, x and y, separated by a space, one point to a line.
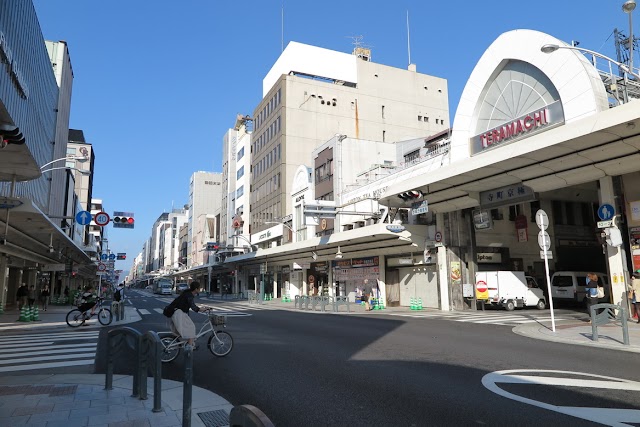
438 236
102 266
101 219
481 286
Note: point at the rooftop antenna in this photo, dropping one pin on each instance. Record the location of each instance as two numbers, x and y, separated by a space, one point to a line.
360 50
408 38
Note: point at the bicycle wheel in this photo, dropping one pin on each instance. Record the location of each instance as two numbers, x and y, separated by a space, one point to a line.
220 343
104 316
75 318
169 352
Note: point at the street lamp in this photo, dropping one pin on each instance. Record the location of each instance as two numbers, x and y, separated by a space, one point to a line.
628 7
550 48
82 171
66 158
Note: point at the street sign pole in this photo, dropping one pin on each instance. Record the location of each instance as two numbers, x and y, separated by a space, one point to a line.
543 223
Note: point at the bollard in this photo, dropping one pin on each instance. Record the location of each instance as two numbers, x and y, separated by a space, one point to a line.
23 315
35 317
419 304
413 303
187 384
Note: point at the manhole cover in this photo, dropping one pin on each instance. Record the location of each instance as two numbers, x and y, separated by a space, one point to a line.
217 418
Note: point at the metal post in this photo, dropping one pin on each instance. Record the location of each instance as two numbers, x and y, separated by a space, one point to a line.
187 384
108 379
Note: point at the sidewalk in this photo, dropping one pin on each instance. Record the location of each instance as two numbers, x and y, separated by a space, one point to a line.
81 400
70 400
580 333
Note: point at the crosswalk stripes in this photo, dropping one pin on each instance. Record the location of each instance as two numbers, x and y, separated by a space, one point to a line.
496 318
45 351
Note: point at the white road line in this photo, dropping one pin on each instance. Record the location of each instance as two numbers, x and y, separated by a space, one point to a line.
50 336
143 311
41 341
158 310
38 348
34 350
49 357
46 365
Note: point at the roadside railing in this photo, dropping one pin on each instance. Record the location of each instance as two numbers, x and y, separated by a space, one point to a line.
302 302
147 349
601 314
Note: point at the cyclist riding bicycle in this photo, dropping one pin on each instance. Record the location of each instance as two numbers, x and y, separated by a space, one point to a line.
181 324
88 300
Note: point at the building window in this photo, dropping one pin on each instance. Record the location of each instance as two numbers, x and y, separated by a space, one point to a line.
240 191
414 155
535 206
496 215
240 172
241 153
514 211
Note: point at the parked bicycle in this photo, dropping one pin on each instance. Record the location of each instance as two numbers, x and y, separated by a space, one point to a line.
220 342
76 317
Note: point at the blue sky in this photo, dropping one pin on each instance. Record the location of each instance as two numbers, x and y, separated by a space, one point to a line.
157 84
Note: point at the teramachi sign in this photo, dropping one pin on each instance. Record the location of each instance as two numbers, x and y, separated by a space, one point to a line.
522 127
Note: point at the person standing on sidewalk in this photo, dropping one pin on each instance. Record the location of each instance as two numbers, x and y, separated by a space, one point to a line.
44 295
592 280
635 293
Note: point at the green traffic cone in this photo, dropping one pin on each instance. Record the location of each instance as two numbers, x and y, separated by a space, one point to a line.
27 315
23 315
419 303
413 304
35 314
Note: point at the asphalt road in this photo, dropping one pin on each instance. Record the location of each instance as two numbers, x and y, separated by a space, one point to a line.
338 370
372 369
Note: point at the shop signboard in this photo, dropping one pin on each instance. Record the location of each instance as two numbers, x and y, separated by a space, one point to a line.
507 195
365 262
489 257
456 273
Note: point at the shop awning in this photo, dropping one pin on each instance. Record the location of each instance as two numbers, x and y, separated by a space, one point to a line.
16 162
31 235
353 243
605 144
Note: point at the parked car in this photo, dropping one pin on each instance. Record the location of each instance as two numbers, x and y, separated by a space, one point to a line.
571 286
181 287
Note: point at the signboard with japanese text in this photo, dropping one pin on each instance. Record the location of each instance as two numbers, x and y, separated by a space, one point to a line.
508 195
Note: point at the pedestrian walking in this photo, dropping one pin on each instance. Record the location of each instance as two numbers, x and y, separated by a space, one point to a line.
22 296
44 296
634 293
32 295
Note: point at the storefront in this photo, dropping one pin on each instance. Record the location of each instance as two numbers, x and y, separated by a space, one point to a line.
353 277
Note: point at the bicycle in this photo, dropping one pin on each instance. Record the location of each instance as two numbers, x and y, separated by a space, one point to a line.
76 318
220 342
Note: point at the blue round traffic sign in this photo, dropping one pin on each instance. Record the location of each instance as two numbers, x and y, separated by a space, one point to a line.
606 212
112 256
104 257
83 218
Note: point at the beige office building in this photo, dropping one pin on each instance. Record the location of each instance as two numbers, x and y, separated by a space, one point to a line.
311 94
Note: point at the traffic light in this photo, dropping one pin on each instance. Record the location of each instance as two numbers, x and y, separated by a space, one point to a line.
122 219
613 236
410 195
13 136
121 256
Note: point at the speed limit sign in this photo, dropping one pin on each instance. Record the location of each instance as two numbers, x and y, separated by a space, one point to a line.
102 219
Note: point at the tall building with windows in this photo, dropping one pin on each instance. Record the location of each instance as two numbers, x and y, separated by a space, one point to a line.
311 94
236 179
60 196
205 198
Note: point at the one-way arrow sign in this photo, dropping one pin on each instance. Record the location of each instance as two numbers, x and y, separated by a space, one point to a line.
83 218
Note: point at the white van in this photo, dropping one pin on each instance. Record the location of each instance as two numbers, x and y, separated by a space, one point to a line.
571 285
162 286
